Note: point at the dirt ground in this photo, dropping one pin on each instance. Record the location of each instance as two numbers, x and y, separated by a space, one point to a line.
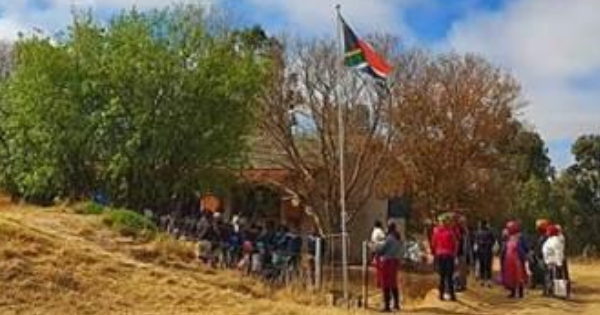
54 262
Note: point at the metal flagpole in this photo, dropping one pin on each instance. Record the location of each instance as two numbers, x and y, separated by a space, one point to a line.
342 173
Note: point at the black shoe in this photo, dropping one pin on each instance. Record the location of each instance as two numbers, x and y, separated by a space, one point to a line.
521 292
453 298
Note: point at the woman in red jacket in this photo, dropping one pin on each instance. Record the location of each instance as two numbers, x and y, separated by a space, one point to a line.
514 257
445 247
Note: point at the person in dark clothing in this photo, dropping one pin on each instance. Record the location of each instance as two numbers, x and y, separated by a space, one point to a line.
445 248
485 241
293 252
391 255
213 237
224 230
234 248
536 259
464 257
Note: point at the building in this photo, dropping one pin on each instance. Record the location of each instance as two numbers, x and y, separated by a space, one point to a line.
261 196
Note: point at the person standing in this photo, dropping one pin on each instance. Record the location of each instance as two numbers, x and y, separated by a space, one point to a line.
377 240
561 236
514 256
445 248
464 253
536 263
554 257
391 254
485 241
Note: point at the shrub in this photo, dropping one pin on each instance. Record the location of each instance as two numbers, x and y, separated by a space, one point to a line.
167 251
130 223
90 208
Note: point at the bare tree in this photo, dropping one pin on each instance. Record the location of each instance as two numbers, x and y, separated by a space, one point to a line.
453 116
299 120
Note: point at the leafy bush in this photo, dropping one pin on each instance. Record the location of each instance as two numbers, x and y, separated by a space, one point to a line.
130 223
90 208
101 83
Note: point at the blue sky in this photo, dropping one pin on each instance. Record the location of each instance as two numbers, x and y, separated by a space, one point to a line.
551 46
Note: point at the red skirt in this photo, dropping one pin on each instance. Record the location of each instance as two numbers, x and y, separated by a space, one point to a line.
513 268
389 273
378 274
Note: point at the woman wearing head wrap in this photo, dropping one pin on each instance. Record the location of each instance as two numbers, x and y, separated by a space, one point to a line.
554 257
514 256
536 263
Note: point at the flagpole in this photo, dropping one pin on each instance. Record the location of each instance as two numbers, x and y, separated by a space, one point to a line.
341 140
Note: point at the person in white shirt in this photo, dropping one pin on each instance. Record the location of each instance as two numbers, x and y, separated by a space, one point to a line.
554 256
377 236
376 242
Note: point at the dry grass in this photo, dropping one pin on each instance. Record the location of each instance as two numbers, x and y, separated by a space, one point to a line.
59 263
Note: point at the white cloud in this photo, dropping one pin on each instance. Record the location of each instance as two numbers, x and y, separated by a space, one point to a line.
551 46
318 16
21 15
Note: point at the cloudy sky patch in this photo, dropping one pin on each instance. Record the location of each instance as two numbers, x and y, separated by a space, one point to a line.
551 46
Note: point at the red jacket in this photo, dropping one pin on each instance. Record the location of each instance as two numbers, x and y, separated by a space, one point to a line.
444 242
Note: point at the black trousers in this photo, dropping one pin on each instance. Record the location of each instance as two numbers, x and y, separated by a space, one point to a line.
446 272
391 296
485 265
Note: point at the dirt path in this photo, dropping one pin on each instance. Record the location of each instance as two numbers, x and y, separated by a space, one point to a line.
493 301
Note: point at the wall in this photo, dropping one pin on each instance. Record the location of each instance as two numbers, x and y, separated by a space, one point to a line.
361 226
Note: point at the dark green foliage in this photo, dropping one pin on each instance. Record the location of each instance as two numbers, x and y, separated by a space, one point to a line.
576 196
130 223
528 178
151 106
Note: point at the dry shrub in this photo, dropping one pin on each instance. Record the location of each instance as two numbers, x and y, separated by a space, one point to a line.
65 279
166 251
177 250
87 232
298 294
9 253
14 269
17 242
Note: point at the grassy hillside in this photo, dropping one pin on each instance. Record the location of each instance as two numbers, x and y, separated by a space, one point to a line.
55 262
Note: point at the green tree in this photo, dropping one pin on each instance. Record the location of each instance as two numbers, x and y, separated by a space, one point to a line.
153 105
576 195
528 178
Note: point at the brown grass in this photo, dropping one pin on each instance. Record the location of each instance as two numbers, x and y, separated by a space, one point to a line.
60 263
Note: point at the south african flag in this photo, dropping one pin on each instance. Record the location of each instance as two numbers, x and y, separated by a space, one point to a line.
358 54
